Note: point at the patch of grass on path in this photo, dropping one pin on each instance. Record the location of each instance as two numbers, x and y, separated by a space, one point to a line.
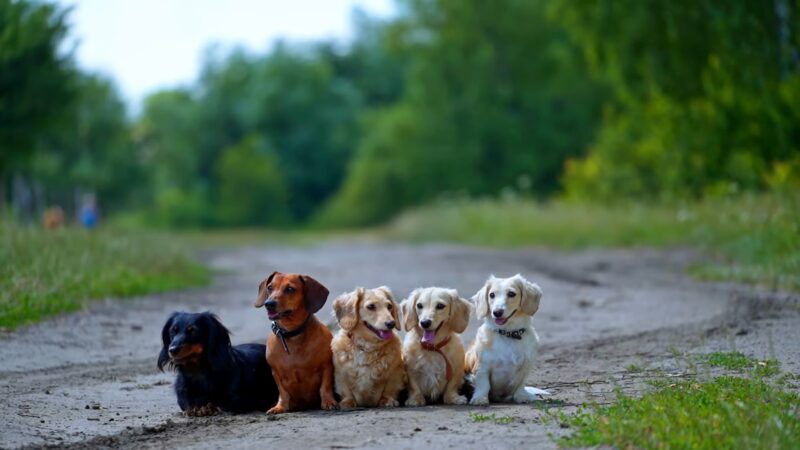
43 273
728 412
754 239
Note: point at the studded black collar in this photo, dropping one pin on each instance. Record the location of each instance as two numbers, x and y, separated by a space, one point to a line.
513 334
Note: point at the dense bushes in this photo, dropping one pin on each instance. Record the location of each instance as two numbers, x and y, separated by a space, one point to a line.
707 97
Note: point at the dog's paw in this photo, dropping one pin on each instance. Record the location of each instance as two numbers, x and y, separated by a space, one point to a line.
479 401
277 409
347 403
329 404
456 400
388 402
202 411
416 400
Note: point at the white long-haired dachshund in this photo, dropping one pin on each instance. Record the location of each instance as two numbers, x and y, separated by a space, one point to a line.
506 345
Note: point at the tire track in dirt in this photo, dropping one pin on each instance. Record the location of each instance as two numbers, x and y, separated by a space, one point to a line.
89 379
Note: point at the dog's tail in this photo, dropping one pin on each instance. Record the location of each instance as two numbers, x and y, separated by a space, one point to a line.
535 391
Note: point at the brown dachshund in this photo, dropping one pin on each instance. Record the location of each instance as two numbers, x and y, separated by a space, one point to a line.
299 350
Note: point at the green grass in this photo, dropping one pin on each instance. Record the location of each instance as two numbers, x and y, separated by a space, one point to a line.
728 412
43 273
754 239
479 418
738 362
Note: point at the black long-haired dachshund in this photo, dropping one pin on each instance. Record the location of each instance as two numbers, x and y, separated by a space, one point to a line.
212 374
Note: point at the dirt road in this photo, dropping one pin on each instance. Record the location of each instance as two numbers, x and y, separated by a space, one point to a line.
90 380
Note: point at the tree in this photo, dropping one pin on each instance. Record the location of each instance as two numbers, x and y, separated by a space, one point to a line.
495 98
36 77
251 187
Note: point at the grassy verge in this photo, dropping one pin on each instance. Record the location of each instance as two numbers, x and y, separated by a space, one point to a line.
43 273
746 409
754 239
728 412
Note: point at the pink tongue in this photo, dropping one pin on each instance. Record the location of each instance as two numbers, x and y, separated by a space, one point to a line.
385 334
500 321
429 336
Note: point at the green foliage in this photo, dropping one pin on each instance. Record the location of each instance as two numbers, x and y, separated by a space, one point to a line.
43 273
755 239
707 97
478 113
92 150
728 412
35 77
252 190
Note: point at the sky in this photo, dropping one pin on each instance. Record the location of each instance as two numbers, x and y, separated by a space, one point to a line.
145 45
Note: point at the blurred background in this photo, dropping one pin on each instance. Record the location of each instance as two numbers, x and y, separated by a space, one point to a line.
344 113
563 123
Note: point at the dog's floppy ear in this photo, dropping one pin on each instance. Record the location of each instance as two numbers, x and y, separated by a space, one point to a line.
409 307
345 307
531 293
390 296
163 357
460 310
262 290
218 342
316 294
481 299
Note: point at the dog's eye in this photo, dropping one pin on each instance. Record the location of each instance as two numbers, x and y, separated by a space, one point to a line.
269 287
440 306
419 305
190 329
371 307
491 295
174 329
289 289
389 306
511 294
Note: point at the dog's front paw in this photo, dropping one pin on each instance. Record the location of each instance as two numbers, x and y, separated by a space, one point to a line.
202 411
415 400
347 403
388 402
482 400
456 400
277 409
329 404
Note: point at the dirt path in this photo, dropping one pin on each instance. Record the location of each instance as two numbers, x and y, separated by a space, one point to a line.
89 379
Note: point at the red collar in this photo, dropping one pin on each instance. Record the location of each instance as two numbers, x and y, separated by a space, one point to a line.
437 348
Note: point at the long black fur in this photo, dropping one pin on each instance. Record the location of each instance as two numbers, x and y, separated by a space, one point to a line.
235 379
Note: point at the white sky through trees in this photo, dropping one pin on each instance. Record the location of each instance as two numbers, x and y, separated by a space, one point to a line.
146 45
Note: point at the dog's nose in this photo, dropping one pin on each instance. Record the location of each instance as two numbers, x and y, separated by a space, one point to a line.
271 305
389 324
498 312
173 349
425 323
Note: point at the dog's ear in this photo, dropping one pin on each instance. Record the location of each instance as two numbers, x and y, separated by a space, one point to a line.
409 307
316 294
481 299
531 294
163 357
262 290
390 296
218 342
345 307
460 310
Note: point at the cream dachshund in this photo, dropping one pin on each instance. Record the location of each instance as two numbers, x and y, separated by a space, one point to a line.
367 359
432 350
506 345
